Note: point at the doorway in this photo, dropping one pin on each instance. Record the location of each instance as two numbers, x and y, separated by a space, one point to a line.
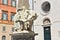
47 33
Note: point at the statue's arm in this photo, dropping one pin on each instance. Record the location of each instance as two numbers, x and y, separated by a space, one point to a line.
34 17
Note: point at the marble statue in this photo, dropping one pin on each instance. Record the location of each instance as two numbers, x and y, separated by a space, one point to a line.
24 19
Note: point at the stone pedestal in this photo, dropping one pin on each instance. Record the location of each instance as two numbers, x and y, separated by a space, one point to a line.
23 36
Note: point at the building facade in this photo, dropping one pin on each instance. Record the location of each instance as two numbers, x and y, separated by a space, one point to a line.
47 24
7 12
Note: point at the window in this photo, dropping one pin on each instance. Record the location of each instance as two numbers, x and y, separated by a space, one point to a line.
4 28
12 29
46 6
12 16
13 3
5 2
4 15
3 37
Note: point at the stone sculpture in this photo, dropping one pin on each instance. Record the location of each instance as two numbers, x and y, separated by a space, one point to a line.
25 18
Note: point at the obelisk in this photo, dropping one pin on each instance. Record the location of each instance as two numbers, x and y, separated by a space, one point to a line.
22 3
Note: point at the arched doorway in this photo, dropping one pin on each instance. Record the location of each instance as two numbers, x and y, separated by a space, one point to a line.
47 29
3 37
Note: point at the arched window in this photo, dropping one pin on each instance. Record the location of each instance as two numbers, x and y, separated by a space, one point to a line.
3 37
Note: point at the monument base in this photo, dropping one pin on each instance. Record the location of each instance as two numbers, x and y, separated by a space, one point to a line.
23 36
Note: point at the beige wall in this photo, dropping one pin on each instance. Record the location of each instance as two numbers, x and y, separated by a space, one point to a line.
7 32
